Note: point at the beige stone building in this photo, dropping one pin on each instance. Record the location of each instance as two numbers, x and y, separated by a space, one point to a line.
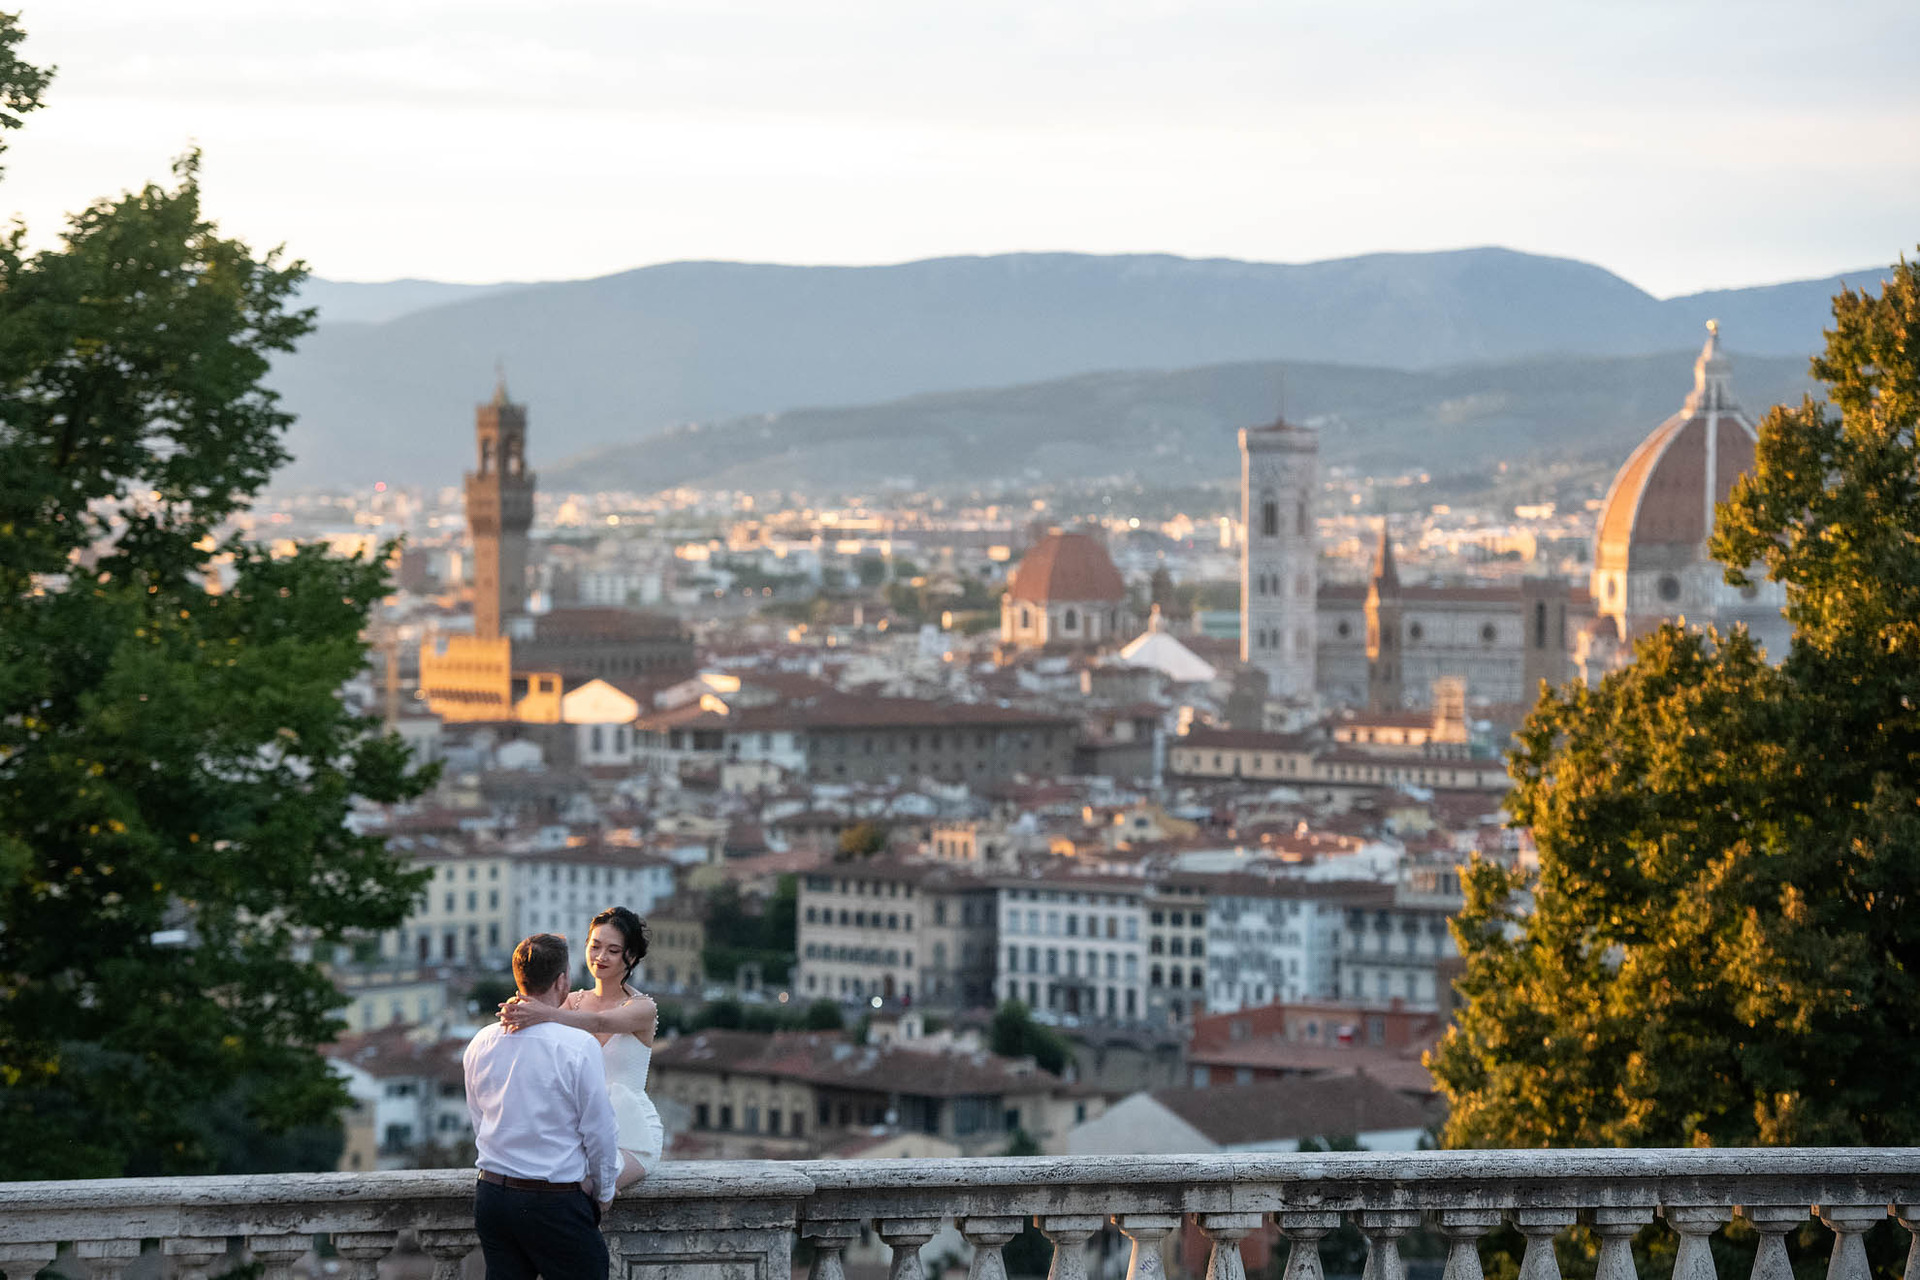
678 937
916 932
807 1092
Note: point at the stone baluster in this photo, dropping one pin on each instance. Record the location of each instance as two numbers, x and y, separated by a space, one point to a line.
196 1254
1696 1224
1850 1224
906 1235
988 1236
1069 1234
107 1259
364 1249
830 1239
21 1260
1540 1226
1463 1229
1383 1229
1909 1217
1616 1225
1146 1230
1225 1231
448 1247
1305 1228
1773 1222
278 1253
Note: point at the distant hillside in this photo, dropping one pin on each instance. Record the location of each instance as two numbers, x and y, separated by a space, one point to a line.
619 358
350 302
1179 428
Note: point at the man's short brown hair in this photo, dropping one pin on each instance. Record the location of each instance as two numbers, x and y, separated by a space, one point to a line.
538 962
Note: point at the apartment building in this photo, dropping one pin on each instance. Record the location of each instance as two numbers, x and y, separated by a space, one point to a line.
918 932
1074 946
1280 940
1177 948
1403 951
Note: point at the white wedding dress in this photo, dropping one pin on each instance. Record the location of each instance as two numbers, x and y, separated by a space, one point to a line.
627 1058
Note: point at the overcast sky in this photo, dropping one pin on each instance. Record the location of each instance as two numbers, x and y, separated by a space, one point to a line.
1682 145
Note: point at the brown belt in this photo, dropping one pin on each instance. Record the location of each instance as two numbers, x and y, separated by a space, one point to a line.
525 1184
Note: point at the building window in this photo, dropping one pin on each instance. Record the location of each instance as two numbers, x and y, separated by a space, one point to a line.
1070 620
1669 588
726 1116
1269 518
700 1117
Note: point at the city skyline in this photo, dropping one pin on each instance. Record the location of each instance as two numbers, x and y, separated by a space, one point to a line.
453 143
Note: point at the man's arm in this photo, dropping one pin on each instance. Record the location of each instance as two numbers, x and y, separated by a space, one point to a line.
599 1132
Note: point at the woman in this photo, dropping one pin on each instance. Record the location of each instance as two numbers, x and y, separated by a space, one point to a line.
624 1022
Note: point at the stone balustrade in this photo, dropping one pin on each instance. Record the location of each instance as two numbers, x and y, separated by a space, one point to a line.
740 1220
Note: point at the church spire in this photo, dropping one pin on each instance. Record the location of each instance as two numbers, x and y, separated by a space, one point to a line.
1384 573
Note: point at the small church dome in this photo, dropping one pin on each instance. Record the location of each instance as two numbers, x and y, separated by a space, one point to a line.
1067 567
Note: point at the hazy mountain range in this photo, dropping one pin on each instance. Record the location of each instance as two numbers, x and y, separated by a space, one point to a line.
1180 428
1399 351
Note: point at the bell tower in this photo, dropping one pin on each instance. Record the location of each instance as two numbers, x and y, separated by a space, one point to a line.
1279 556
499 513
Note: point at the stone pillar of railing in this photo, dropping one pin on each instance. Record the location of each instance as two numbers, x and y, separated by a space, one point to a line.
1146 1230
1463 1229
364 1249
735 1219
22 1259
448 1247
1540 1226
276 1254
1069 1234
1616 1225
1696 1224
1850 1223
1225 1231
906 1236
194 1255
108 1259
988 1236
1305 1228
1773 1222
1909 1217
1383 1229
830 1240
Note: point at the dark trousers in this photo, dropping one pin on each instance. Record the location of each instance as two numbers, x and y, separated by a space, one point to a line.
552 1234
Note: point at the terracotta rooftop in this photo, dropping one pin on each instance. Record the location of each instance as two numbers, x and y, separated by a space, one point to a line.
828 1058
1322 1106
1066 567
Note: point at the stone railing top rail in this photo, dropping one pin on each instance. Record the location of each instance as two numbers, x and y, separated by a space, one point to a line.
736 1212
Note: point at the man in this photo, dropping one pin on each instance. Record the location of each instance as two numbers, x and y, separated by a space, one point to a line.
546 1135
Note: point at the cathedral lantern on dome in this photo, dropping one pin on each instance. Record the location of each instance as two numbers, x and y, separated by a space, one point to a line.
1650 560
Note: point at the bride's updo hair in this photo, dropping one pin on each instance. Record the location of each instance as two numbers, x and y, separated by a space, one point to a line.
633 934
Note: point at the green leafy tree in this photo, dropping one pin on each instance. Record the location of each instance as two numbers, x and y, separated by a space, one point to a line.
1014 1034
1721 945
824 1015
176 764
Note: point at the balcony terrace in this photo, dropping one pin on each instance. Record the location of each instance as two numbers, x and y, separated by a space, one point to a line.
742 1220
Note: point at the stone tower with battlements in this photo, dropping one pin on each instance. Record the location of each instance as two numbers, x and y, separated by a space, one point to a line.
499 513
1279 556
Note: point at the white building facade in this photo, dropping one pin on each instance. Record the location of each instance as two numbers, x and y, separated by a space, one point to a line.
1074 946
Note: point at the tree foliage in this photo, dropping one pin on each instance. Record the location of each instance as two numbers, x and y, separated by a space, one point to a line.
176 764
1721 944
1014 1034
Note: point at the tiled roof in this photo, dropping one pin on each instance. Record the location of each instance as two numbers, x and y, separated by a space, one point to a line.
1399 1071
1067 567
827 1058
1321 1106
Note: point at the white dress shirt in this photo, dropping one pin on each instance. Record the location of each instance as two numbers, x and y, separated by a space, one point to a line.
538 1100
